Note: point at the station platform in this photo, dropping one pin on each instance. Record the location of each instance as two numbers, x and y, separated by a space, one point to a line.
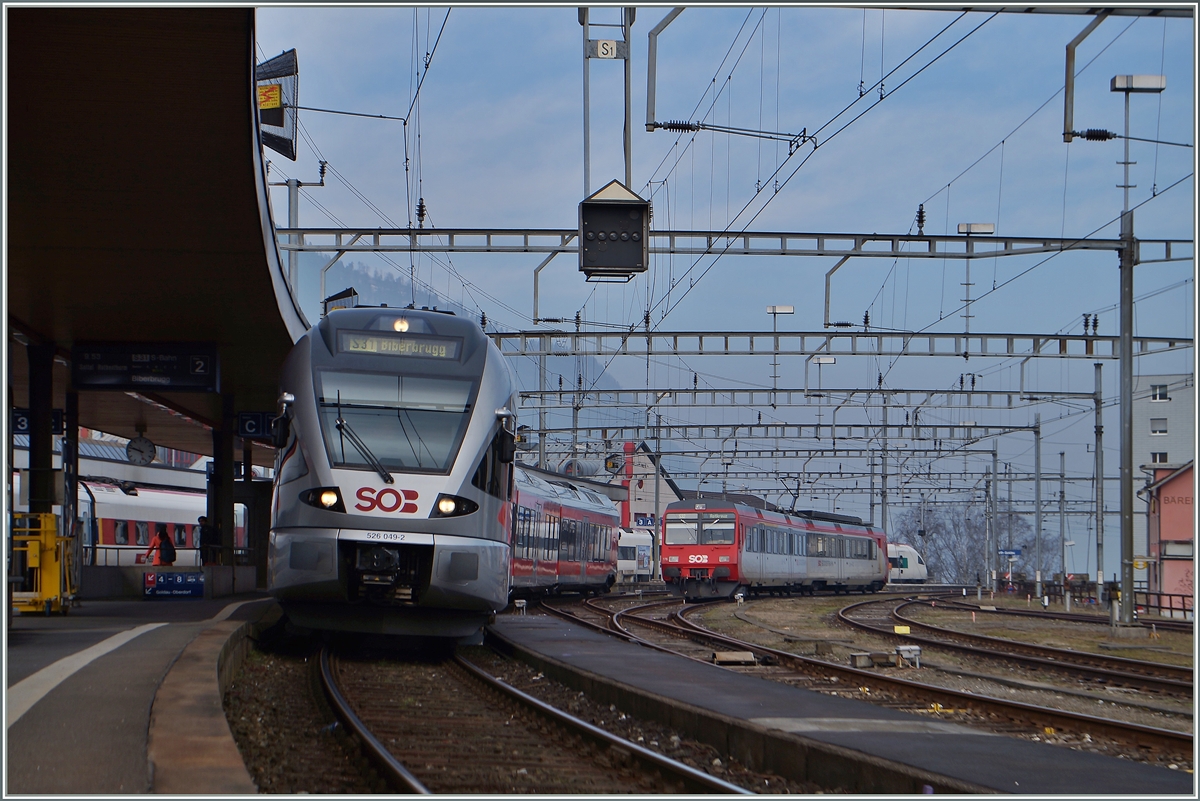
838 742
122 696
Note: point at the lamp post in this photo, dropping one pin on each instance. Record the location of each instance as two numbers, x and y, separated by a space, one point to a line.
775 311
968 229
1128 84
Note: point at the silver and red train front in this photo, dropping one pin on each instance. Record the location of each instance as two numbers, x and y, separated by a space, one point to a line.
391 511
700 550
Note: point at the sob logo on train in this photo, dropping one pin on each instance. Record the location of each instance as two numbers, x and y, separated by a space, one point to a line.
386 500
697 557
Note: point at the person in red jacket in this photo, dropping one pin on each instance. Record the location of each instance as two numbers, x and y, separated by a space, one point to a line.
162 547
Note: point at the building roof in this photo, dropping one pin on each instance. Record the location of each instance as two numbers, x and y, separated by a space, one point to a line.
1171 476
137 209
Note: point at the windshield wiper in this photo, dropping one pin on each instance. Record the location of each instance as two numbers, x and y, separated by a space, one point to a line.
344 428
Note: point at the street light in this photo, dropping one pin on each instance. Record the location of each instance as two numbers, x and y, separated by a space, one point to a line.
817 360
968 229
775 311
1131 84
1128 84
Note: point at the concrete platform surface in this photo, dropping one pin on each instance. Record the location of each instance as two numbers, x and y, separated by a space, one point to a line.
122 697
834 726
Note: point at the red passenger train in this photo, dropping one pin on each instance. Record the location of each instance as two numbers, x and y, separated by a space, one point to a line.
715 548
564 536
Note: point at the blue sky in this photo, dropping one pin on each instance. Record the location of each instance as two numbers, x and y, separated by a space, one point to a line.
495 141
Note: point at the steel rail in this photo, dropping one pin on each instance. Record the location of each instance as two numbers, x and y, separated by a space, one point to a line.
694 781
1148 675
1027 654
1023 713
393 772
1077 617
1027 714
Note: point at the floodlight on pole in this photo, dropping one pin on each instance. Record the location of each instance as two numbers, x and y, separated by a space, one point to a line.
969 229
775 311
1128 84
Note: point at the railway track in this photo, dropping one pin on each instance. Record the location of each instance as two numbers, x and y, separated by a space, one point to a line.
1160 624
669 629
446 726
879 616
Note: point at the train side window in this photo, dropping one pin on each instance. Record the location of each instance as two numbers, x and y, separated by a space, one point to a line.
492 475
566 540
180 535
121 528
143 532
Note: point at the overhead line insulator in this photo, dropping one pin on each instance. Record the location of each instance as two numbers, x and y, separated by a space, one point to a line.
679 126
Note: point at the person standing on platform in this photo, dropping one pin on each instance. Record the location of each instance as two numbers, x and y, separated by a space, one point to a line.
199 535
162 547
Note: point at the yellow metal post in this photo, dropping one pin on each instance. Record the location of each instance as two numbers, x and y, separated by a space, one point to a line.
46 561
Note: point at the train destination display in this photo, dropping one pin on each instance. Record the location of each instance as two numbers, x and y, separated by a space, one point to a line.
382 345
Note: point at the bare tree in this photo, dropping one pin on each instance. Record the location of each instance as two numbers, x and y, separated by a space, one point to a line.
954 540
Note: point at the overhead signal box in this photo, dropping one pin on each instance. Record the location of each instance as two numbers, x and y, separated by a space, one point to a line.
614 234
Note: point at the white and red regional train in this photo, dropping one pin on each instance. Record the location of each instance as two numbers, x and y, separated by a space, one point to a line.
714 549
564 537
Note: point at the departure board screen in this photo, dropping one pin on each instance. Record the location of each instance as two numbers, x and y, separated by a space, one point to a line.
419 347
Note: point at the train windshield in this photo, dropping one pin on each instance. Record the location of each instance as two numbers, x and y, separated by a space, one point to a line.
410 423
711 528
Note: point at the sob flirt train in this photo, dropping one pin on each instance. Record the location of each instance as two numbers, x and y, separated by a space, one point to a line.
393 480
564 536
715 548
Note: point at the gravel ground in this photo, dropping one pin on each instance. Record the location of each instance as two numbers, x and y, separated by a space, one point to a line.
812 620
286 733
291 743
647 734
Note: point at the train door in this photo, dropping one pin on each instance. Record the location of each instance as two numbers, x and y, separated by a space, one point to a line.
587 554
532 544
521 564
752 544
549 533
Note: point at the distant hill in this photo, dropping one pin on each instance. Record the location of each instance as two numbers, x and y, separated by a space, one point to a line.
375 287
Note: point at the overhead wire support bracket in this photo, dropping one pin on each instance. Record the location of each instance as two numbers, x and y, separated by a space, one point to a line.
795 141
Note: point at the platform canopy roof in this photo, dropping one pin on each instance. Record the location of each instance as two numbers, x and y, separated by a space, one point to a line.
137 207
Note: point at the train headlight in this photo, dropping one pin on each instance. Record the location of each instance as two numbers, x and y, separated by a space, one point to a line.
324 498
452 506
400 325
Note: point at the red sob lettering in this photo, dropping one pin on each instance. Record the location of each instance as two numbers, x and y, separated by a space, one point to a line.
386 500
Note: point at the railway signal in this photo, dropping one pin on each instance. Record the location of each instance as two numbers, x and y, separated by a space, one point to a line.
614 234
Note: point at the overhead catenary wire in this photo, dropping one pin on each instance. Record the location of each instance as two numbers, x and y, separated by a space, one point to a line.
1052 256
804 160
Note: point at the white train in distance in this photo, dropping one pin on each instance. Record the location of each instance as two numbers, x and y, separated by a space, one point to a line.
118 526
635 554
905 565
